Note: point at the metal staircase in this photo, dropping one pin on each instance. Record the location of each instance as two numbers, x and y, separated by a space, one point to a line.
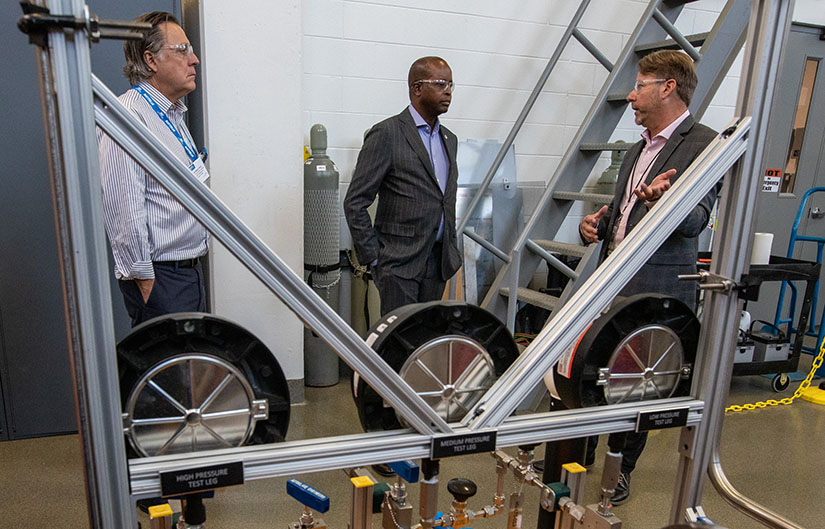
535 244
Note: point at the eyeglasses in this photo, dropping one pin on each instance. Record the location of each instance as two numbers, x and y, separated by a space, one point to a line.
441 84
185 49
643 83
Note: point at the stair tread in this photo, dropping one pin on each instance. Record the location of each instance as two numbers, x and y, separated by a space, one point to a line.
607 146
565 248
697 39
597 198
533 297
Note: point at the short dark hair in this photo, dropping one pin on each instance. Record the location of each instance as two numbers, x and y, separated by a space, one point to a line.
670 64
136 69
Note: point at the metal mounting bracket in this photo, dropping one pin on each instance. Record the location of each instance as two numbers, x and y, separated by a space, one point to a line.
747 288
37 20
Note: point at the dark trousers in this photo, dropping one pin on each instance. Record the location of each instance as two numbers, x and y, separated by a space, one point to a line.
397 291
633 447
176 289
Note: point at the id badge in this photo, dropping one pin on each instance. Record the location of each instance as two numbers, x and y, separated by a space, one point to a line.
199 170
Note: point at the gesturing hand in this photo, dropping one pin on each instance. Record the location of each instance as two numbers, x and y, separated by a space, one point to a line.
657 188
589 225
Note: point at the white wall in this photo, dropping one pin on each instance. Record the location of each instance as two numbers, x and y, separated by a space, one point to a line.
809 11
251 71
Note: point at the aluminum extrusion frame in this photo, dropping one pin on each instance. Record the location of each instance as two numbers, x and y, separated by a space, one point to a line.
767 34
75 177
315 455
64 70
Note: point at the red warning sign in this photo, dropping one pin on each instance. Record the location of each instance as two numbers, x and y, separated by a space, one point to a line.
772 178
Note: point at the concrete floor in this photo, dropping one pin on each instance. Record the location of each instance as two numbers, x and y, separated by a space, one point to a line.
771 455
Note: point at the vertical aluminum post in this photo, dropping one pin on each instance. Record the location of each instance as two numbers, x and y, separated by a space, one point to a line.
64 68
767 34
360 516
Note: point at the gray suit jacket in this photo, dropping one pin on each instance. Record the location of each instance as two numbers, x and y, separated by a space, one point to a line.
394 164
684 145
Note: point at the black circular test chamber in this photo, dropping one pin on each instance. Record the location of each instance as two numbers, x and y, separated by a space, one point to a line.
643 348
193 381
449 352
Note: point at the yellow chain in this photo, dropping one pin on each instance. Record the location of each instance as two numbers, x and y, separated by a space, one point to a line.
788 400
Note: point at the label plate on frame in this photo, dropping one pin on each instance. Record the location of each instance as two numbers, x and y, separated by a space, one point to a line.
200 479
657 420
463 444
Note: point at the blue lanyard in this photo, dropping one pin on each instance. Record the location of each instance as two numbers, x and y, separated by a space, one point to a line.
190 151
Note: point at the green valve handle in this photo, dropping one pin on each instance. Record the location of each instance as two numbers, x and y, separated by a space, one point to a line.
560 490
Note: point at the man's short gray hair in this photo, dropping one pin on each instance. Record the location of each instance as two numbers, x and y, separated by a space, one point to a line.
136 69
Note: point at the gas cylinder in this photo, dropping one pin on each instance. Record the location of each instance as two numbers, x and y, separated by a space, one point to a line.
322 269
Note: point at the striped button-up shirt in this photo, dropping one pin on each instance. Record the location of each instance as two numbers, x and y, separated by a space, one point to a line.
143 221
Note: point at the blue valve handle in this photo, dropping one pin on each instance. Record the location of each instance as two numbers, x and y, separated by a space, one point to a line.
408 470
307 495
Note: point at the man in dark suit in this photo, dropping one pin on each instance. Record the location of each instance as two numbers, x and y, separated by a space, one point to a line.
408 160
671 141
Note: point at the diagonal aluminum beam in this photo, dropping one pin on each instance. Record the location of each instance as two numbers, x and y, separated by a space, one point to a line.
600 289
225 226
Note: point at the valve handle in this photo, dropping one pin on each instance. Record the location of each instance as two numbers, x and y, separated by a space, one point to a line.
407 470
307 495
461 489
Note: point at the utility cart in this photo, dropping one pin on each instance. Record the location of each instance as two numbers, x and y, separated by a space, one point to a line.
761 352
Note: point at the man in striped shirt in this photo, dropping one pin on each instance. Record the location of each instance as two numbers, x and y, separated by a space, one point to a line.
156 243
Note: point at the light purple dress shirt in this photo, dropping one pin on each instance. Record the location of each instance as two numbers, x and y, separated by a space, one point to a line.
438 155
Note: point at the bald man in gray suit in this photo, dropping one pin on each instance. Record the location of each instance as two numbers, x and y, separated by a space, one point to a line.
408 161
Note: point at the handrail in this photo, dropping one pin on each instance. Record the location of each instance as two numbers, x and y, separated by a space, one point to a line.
676 35
488 245
742 503
594 51
552 260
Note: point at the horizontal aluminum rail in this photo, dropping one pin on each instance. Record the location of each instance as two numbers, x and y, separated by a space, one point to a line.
330 453
600 289
291 289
